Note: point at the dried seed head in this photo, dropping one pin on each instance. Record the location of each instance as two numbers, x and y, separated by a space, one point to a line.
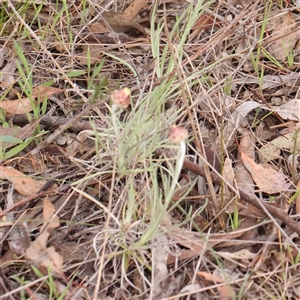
178 134
121 98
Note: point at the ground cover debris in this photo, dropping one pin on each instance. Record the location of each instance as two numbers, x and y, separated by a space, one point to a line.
149 149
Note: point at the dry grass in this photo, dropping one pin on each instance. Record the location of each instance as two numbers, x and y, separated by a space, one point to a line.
134 223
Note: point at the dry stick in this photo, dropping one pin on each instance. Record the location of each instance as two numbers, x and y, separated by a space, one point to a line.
20 203
267 208
21 119
65 126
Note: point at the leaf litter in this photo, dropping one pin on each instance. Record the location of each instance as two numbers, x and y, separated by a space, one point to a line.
107 206
42 256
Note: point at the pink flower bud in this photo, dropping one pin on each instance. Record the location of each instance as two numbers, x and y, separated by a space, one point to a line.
121 98
178 134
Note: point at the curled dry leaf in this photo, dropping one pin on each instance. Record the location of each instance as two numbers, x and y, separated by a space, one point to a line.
24 184
268 180
24 105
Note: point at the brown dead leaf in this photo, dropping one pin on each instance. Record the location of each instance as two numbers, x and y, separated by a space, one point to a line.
184 254
228 171
7 73
90 54
243 254
19 106
117 22
286 142
225 292
45 92
21 133
210 277
5 260
245 182
265 176
190 240
23 105
289 110
44 257
38 252
284 37
206 22
237 117
48 213
25 185
134 8
196 243
268 152
121 22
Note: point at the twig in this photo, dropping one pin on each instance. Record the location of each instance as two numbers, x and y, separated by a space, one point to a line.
273 210
266 208
65 126
20 203
50 121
